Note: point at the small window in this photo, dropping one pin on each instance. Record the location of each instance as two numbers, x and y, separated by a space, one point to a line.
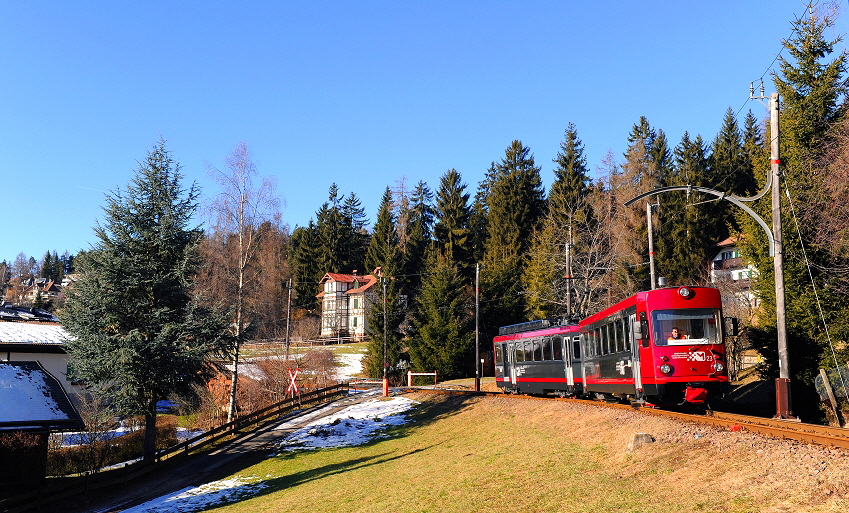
537 350
356 302
576 348
520 352
626 334
499 355
598 342
557 346
355 322
546 349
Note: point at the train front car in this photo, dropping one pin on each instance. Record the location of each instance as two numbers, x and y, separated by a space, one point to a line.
538 357
662 346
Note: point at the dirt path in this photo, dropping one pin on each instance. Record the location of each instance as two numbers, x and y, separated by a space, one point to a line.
205 467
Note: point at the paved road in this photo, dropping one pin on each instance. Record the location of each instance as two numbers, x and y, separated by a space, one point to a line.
206 467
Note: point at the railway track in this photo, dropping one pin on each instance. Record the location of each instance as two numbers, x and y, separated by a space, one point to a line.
777 428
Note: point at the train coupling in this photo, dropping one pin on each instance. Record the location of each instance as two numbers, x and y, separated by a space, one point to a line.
695 395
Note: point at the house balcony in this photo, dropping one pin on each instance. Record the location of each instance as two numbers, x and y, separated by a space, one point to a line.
727 264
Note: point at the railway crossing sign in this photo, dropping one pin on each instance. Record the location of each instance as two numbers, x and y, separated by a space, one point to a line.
293 385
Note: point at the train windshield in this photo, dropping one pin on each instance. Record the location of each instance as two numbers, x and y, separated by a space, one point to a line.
686 326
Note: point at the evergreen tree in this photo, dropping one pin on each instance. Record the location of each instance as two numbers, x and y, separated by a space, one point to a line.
810 87
306 267
444 325
383 253
567 198
451 231
136 331
332 230
687 229
729 163
515 203
420 222
545 276
357 238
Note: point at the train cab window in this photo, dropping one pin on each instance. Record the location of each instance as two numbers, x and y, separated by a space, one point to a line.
576 348
499 356
557 346
546 349
694 326
538 350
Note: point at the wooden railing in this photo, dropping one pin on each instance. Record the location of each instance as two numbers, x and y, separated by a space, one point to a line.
58 488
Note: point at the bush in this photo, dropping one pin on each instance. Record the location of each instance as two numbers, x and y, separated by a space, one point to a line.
84 459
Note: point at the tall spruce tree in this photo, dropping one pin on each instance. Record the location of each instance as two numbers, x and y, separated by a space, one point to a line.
569 216
444 328
688 226
451 231
306 267
384 317
811 85
137 332
420 218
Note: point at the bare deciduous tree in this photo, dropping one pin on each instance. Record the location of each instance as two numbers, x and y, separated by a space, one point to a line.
239 213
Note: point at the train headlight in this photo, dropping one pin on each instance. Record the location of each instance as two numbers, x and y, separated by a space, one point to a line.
666 369
718 366
685 292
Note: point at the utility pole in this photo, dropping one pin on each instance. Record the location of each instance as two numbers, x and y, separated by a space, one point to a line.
649 208
477 330
385 339
288 318
783 404
569 273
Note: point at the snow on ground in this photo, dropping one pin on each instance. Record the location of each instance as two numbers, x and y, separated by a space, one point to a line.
354 425
198 498
349 365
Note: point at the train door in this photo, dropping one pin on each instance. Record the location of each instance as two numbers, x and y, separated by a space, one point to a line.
561 346
635 352
510 362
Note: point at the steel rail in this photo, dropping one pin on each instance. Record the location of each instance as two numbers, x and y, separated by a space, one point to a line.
777 428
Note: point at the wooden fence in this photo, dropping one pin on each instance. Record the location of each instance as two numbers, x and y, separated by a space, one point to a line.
58 488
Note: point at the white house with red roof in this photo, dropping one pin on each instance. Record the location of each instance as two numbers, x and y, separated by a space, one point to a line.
345 300
726 266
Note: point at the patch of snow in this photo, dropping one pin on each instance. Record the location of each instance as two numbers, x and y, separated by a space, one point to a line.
25 396
198 498
350 366
354 425
28 333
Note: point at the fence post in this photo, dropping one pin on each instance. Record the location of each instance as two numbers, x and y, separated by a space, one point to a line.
831 399
409 378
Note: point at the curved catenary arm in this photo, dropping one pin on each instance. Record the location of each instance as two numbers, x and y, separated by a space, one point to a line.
722 196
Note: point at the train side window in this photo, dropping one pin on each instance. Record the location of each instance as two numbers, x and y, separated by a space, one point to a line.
538 350
597 339
609 346
557 346
520 352
614 327
499 358
546 349
576 348
626 333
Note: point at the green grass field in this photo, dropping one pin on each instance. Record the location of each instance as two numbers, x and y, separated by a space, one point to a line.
484 454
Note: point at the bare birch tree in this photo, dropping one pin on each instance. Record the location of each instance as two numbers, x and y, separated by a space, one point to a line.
245 203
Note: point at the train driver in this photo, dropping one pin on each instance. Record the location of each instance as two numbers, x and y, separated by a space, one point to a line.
677 335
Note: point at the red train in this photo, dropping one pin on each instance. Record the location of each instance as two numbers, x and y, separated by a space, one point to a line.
663 346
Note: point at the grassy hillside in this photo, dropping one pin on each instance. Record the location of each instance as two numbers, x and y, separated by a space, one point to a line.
497 454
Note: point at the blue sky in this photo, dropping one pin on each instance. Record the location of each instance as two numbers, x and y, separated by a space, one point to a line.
358 93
